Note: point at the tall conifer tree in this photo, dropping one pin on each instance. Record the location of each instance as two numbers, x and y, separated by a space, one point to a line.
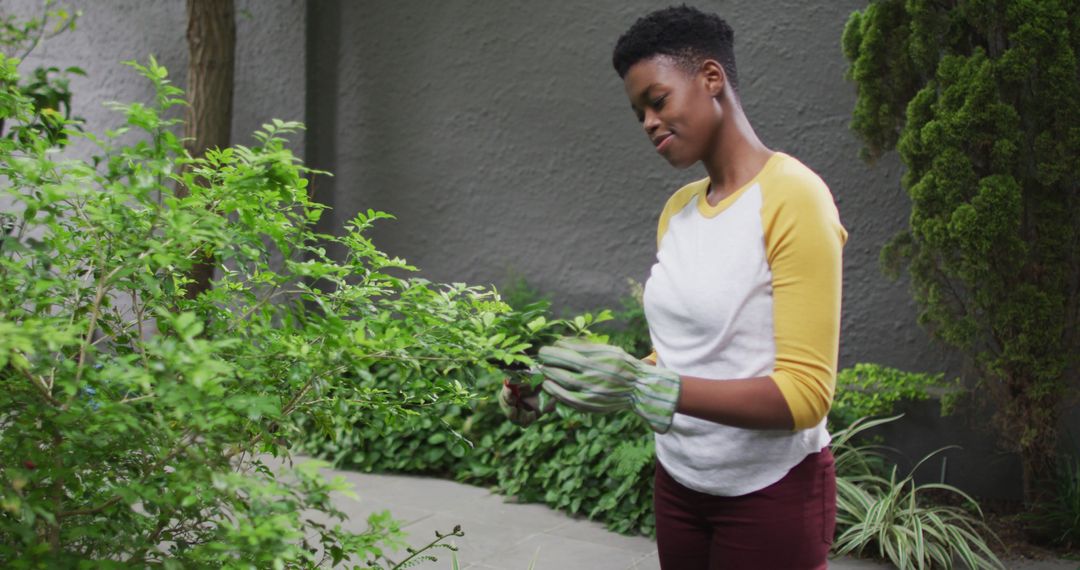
981 98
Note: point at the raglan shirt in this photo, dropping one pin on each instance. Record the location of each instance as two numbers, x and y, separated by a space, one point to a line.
749 287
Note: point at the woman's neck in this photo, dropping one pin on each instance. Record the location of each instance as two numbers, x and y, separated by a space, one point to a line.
737 156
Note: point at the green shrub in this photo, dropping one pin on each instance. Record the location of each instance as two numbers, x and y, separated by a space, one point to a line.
580 463
597 466
47 89
874 390
133 419
593 465
628 328
625 327
889 513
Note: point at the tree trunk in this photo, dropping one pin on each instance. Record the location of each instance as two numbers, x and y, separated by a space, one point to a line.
1038 418
211 36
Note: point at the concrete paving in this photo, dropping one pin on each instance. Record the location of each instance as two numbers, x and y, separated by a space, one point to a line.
503 535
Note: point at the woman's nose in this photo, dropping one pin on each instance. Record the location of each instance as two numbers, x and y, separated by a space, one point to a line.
651 122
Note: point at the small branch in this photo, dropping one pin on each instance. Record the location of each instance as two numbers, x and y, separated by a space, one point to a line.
57 493
439 537
137 398
138 310
41 34
99 294
294 402
275 292
89 511
185 441
45 390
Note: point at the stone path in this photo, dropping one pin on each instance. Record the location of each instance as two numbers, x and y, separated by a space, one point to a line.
507 536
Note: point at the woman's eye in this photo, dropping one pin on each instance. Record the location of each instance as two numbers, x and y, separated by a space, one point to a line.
659 103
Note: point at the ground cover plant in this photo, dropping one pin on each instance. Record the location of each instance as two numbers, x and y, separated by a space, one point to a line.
868 389
136 418
883 513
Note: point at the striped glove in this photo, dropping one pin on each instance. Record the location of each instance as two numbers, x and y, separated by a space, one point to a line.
602 378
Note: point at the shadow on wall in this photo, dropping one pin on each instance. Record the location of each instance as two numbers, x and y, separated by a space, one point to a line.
980 466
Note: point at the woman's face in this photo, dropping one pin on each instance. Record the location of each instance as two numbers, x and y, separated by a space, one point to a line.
677 108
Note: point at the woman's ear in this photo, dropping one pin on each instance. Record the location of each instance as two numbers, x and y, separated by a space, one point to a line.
714 76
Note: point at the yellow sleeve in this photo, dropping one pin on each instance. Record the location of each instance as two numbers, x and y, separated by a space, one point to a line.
675 203
803 243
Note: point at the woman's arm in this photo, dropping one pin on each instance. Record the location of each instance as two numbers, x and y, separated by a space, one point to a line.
754 403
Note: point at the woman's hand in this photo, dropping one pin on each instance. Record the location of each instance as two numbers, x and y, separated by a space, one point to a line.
601 378
520 401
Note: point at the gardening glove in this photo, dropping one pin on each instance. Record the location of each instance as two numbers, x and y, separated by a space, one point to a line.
602 378
520 402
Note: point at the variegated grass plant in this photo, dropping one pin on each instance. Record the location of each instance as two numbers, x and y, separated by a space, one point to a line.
888 516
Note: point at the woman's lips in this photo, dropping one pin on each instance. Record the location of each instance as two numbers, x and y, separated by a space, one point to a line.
663 142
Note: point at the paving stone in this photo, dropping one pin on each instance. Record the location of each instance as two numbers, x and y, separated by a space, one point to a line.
481 538
857 564
551 552
358 510
592 531
650 561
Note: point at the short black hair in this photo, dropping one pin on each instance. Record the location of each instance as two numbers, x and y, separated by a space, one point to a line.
684 33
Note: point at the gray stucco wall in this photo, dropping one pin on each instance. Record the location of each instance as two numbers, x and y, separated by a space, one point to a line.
500 137
270 61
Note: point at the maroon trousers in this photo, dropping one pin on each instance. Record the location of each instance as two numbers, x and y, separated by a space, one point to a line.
788 525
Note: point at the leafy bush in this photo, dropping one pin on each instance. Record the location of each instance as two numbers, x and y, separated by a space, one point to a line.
628 328
874 390
597 466
887 512
47 89
133 419
580 463
624 327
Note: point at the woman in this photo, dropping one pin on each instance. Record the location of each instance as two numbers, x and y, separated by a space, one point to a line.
743 306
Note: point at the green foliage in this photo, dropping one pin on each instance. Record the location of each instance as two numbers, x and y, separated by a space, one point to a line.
1060 518
598 466
418 556
982 101
529 326
580 463
594 465
874 390
519 294
628 328
135 422
48 88
889 513
625 327
19 37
